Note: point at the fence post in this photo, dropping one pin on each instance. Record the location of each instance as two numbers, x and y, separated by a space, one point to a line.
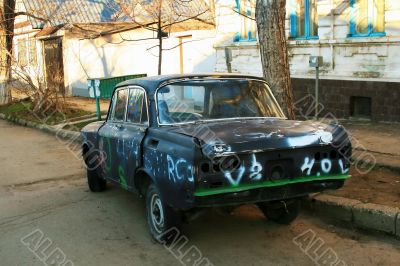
97 100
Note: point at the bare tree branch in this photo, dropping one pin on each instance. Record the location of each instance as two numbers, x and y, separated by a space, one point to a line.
243 15
22 13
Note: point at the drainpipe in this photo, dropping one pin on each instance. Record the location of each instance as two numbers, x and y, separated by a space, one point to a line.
228 59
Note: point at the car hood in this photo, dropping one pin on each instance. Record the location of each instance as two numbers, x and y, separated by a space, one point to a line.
253 135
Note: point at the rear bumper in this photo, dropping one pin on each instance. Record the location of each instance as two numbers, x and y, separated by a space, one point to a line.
264 194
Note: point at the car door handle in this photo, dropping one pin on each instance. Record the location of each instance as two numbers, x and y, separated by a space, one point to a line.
153 143
119 126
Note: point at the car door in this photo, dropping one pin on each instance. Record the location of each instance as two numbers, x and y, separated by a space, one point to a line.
129 146
110 133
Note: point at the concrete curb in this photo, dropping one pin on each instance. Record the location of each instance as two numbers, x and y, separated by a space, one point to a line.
66 135
362 215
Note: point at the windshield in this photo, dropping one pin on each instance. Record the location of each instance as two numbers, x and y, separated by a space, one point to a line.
194 100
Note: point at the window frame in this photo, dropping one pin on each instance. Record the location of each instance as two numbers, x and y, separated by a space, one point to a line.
146 123
111 108
114 99
171 82
307 21
26 52
353 24
111 111
249 38
22 48
32 52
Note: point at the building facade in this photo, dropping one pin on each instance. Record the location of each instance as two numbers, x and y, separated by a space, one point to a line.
70 48
359 41
111 56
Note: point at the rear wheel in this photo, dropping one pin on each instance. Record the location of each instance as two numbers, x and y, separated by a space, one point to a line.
95 182
164 223
283 212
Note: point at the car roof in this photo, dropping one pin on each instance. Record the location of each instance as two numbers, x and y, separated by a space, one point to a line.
150 84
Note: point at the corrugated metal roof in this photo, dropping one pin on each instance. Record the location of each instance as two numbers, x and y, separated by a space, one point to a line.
61 12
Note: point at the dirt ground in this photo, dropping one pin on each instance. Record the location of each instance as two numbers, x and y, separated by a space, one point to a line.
79 103
381 138
377 142
43 189
87 104
379 186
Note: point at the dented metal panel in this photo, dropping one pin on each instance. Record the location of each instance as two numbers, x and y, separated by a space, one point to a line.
247 159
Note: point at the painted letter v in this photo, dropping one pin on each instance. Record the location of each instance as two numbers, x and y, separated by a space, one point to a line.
234 182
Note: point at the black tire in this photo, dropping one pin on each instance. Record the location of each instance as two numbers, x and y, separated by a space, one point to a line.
164 223
281 212
95 182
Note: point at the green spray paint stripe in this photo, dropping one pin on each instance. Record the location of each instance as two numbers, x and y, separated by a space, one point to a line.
243 187
109 157
122 179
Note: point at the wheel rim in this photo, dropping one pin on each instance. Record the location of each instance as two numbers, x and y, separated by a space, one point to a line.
157 213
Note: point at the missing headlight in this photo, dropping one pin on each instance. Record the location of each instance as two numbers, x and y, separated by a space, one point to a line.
228 163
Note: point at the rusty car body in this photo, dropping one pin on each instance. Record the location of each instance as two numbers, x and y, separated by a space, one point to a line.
190 141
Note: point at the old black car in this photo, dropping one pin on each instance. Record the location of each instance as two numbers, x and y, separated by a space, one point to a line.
190 141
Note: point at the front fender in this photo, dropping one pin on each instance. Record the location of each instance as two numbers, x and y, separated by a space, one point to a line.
172 165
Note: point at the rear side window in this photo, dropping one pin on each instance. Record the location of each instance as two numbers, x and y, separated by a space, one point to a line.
121 98
137 111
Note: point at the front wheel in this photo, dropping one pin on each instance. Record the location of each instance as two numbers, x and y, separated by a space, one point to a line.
164 223
95 182
283 212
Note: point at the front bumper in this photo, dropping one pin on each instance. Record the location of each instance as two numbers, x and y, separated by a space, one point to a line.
264 194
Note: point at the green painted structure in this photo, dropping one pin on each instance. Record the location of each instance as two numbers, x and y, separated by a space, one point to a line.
107 84
106 87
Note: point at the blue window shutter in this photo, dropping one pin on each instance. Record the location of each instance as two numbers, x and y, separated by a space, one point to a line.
307 18
308 9
237 7
249 37
293 19
236 38
352 18
353 24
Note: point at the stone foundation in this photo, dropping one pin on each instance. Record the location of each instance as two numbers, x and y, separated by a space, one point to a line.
338 97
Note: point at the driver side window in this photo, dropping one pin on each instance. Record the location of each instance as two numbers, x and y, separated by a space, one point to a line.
119 105
137 108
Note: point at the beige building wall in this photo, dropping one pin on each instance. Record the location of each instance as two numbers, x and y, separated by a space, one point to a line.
27 50
114 55
370 58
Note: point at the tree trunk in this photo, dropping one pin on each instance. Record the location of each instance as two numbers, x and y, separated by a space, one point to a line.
7 25
270 17
160 52
160 36
5 93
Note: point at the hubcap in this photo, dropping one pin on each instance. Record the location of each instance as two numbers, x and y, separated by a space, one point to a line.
157 213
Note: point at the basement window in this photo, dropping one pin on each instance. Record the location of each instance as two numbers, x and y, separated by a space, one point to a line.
360 107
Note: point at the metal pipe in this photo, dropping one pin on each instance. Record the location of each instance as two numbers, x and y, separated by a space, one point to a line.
316 92
97 100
